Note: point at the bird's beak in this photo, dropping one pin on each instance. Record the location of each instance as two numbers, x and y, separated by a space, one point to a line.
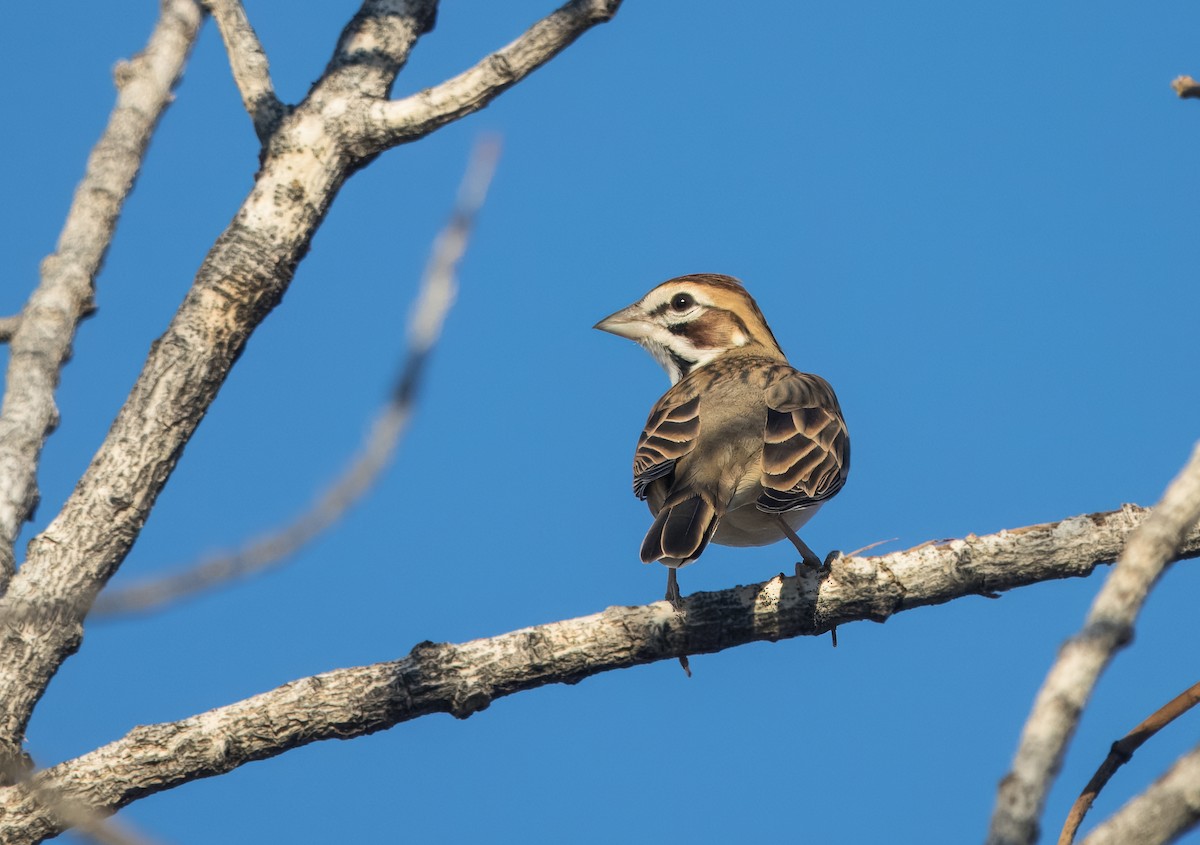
629 322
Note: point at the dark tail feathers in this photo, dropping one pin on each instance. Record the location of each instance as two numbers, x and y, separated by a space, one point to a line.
680 531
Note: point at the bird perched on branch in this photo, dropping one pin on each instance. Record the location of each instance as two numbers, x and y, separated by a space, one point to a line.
743 449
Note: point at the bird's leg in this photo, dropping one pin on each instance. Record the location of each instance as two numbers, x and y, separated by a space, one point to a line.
673 596
676 601
810 557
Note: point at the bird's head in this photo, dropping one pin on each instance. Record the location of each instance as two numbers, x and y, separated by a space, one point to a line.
689 321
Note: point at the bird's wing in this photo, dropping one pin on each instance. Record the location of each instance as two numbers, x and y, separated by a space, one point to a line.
806 450
670 433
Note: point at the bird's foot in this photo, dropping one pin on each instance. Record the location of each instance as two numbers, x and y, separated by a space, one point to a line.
812 563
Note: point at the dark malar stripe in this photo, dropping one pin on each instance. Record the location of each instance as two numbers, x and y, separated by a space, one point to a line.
684 365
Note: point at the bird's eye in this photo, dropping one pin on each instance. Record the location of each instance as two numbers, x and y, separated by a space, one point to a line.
682 302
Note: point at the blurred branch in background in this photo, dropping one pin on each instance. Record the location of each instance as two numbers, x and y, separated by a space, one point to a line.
434 299
1108 628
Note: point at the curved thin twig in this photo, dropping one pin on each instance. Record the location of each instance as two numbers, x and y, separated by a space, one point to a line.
1122 753
1068 685
437 291
1161 814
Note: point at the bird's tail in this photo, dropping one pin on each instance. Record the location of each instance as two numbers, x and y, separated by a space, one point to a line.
680 531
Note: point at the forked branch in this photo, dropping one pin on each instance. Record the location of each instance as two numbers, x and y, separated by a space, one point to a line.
400 121
245 274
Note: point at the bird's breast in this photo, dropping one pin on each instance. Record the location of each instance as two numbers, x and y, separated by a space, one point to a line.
748 526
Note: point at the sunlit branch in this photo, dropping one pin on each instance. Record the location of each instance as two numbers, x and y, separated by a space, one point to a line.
400 121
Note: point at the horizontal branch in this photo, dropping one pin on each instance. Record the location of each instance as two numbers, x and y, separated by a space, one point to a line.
401 121
464 679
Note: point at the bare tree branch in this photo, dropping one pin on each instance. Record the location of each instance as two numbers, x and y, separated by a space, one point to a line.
437 292
309 157
1108 628
404 120
1122 753
464 679
1163 813
240 280
248 61
41 339
8 327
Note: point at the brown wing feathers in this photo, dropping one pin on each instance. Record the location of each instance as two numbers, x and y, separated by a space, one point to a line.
670 433
806 451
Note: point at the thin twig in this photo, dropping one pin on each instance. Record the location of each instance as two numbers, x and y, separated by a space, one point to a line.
248 61
1122 753
436 295
1169 808
42 343
1068 685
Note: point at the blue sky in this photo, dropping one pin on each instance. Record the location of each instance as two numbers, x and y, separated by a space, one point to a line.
977 221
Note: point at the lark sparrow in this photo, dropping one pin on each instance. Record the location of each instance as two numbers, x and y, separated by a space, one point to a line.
743 449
